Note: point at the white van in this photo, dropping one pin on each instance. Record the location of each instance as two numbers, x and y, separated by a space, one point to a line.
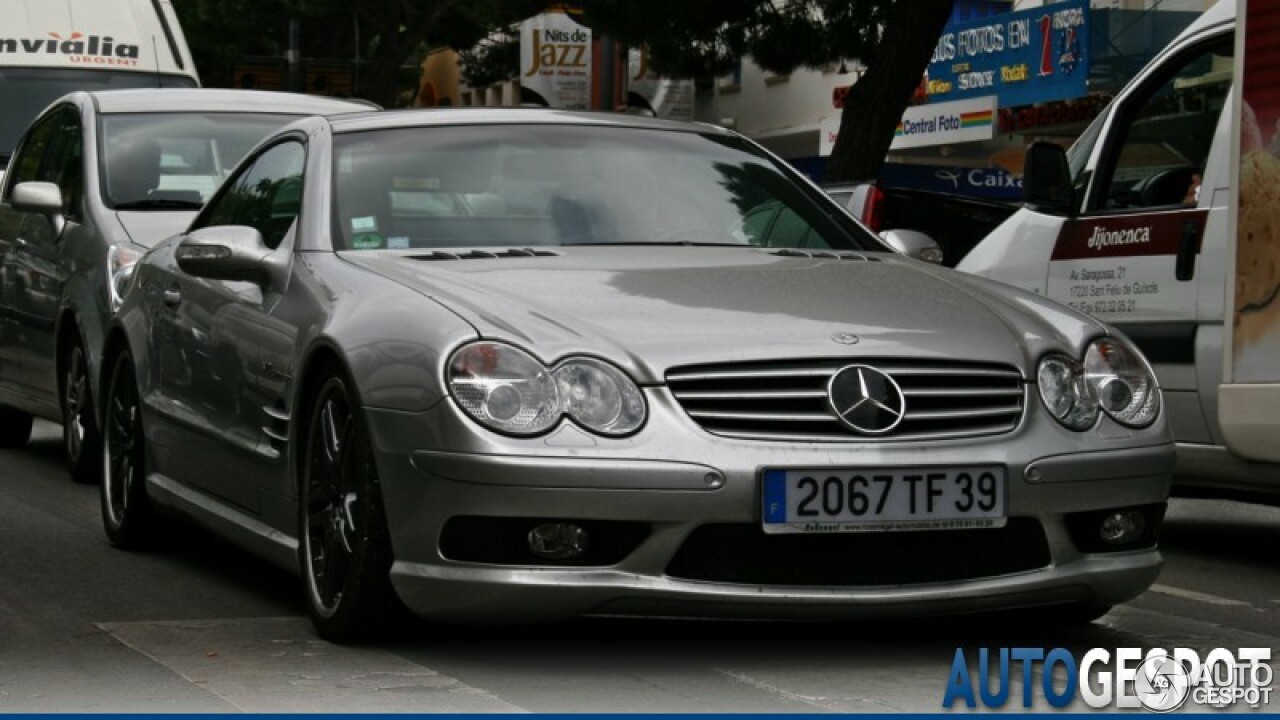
1134 224
49 48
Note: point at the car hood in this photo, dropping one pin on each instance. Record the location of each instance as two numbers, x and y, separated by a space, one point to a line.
654 308
150 227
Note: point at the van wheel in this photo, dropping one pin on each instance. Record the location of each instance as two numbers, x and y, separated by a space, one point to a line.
80 436
344 548
15 427
127 515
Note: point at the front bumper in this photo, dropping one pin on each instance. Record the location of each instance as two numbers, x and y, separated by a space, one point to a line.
673 478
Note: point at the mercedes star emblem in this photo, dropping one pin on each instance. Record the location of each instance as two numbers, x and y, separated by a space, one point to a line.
866 399
845 338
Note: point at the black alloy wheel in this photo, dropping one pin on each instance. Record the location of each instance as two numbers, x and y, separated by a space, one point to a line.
344 549
80 436
127 515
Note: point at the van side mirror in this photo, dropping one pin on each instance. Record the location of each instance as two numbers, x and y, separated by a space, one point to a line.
227 252
1046 179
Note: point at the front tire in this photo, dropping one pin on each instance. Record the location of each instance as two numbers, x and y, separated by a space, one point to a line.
15 427
80 436
127 515
344 548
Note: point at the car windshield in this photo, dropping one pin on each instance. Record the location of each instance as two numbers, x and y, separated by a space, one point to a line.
160 161
549 185
24 92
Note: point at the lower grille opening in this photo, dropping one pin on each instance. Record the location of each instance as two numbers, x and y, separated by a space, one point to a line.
745 554
1085 529
505 541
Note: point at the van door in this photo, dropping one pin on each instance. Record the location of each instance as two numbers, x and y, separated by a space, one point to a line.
1134 256
35 270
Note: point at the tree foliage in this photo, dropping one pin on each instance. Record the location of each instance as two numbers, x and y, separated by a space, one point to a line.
383 34
894 39
494 59
700 37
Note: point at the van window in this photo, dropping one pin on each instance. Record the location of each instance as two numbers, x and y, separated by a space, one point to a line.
25 92
1163 133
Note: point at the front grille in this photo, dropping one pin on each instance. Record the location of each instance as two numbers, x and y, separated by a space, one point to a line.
746 555
788 401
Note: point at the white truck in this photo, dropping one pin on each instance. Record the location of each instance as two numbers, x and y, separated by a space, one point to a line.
49 48
1163 219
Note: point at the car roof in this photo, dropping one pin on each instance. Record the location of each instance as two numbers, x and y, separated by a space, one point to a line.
425 117
218 100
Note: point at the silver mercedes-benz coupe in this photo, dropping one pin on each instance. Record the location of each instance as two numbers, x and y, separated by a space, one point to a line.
522 365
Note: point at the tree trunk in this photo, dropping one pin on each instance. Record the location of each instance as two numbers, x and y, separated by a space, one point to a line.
875 103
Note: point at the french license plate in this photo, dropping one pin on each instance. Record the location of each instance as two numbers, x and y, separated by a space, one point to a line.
856 500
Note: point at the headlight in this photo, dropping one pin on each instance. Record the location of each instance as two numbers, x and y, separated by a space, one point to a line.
1065 393
120 261
508 390
1122 382
504 388
599 396
1114 378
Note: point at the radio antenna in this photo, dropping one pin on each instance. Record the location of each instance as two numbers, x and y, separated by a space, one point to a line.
155 53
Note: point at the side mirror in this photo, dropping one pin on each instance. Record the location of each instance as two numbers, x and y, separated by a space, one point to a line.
37 197
43 198
226 252
1046 179
913 244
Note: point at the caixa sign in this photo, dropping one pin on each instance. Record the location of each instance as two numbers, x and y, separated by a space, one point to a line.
991 183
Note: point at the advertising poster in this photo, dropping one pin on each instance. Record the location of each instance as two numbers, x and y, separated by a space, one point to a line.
1256 327
665 97
1024 57
555 60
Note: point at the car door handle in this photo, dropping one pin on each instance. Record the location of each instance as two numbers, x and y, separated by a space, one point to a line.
172 297
1185 263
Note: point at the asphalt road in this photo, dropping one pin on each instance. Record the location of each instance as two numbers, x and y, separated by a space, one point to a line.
203 627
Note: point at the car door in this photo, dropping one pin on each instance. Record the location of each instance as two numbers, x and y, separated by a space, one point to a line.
35 269
1138 255
233 392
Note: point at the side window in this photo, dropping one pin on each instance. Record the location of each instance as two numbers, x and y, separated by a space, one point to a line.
26 166
756 223
1164 132
63 163
791 231
267 195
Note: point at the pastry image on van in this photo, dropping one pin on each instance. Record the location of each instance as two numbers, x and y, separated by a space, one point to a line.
1258 254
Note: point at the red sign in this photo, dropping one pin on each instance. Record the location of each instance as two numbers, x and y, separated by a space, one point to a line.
1156 233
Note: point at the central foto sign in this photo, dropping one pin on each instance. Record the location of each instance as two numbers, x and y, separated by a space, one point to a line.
925 125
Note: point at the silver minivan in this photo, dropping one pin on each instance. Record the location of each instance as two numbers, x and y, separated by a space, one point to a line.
97 179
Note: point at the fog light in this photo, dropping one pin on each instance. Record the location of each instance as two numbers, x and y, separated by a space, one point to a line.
558 541
1120 528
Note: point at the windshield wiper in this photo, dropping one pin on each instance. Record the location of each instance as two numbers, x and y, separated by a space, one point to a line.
159 204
